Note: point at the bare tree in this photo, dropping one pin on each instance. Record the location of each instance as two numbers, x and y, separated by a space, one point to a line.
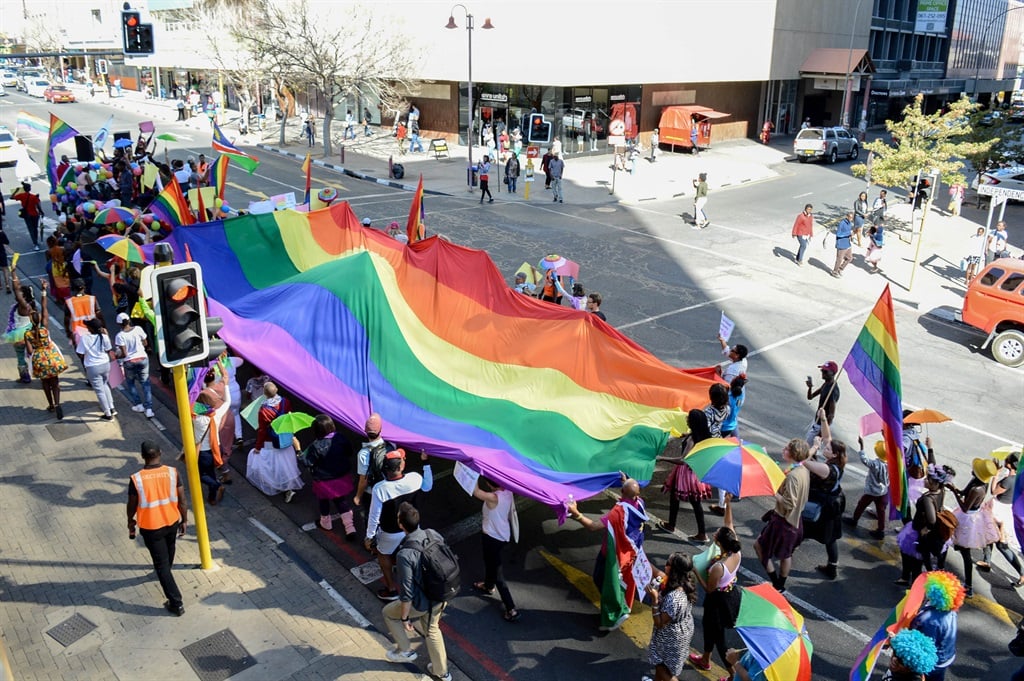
340 50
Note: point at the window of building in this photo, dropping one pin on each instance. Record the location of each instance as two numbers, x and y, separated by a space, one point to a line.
97 16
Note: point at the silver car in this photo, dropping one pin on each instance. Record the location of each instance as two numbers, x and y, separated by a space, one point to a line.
825 143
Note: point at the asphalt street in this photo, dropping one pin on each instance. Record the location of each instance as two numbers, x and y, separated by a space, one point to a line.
665 285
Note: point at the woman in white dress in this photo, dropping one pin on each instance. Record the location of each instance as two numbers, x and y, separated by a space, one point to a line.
1001 488
273 469
976 527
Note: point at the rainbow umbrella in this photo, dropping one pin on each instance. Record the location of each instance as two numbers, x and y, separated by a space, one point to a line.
775 634
736 466
126 249
114 215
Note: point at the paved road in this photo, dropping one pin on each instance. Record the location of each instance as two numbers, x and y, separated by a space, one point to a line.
665 285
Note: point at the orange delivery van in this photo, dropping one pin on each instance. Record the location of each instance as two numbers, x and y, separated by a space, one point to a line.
994 303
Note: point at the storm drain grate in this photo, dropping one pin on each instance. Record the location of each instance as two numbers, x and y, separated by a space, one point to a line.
65 430
218 656
71 629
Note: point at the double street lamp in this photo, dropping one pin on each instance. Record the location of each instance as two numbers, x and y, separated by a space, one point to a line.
469 90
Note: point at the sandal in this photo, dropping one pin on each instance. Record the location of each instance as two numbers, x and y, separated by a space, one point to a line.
983 566
698 662
511 615
479 587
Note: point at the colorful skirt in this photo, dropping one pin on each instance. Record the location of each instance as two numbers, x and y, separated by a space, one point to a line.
47 359
333 489
779 539
684 484
976 529
1003 514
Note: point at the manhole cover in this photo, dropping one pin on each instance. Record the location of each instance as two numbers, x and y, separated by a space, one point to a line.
65 430
605 209
71 629
218 656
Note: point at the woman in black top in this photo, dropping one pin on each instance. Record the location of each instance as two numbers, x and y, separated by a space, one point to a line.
329 462
825 490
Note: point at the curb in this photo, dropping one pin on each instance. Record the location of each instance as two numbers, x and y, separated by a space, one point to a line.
351 173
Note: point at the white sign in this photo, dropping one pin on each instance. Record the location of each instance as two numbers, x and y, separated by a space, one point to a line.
465 476
931 16
1004 192
838 83
642 572
725 328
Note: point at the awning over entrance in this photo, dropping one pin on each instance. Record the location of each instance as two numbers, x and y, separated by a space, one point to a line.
831 61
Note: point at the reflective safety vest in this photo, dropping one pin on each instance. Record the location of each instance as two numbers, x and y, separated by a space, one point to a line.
82 308
158 497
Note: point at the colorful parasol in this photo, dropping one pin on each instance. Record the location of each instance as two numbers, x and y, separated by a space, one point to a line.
925 416
1002 452
112 216
736 466
126 249
775 634
561 265
292 422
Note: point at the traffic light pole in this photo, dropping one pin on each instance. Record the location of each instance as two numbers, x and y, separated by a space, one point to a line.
195 486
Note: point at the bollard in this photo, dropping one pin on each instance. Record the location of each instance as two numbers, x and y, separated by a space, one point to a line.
342 154
391 166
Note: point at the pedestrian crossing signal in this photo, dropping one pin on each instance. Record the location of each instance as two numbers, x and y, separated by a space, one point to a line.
539 130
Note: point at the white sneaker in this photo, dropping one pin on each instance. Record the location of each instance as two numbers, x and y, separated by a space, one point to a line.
149 414
288 496
430 670
138 408
396 655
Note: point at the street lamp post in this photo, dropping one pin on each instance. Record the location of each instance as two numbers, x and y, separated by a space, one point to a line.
984 37
844 116
469 89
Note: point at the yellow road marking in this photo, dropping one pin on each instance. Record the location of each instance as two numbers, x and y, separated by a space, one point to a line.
250 192
637 629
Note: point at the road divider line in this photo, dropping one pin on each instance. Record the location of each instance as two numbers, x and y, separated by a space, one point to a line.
267 531
803 334
674 312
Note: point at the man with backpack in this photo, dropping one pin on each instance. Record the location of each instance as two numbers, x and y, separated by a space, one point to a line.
428 574
370 460
383 535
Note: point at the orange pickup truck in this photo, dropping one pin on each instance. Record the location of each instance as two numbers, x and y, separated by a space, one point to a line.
994 303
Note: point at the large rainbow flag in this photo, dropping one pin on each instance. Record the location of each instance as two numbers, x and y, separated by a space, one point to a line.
546 400
29 124
59 132
873 368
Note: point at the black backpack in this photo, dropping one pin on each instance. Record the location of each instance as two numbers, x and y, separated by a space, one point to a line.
439 566
375 469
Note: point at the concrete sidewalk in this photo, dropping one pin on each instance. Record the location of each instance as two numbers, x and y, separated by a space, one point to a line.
81 601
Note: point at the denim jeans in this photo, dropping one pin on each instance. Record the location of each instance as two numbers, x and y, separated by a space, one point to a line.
138 371
98 377
804 240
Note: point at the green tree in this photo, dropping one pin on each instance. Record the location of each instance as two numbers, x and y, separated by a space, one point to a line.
922 142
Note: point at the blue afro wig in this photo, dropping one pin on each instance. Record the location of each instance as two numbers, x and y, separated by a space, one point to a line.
915 650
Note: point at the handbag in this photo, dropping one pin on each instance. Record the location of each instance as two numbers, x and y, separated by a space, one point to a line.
811 512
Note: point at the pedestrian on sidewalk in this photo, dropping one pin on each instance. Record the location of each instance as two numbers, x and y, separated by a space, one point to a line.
956 199
803 230
412 605
309 130
31 211
876 239
876 488
350 125
484 169
47 361
556 167
156 504
367 118
825 524
700 199
784 530
512 173
132 350
997 239
329 462
497 531
545 165
975 247
654 145
879 207
94 350
860 215
844 247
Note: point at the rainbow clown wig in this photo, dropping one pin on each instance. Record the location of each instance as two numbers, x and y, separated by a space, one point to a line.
944 591
915 650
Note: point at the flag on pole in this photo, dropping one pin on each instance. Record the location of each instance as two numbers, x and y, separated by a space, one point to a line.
201 205
618 586
222 144
59 132
170 206
218 175
29 124
307 168
900 618
99 140
873 368
414 226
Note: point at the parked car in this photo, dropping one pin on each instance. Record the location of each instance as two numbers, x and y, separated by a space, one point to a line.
9 148
58 93
36 87
825 143
994 303
1009 178
28 74
9 79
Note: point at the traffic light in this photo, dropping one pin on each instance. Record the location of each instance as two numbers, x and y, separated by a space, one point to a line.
145 44
180 322
539 130
136 37
101 67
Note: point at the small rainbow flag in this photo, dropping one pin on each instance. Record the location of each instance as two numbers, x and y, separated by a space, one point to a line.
27 124
218 175
873 367
414 226
59 132
900 618
170 206
307 168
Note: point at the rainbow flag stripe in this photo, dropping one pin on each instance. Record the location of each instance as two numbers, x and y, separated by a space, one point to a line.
170 206
29 124
549 401
59 132
900 618
415 227
219 175
873 368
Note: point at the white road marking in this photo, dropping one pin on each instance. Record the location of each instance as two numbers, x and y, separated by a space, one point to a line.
803 334
267 531
800 196
680 310
345 605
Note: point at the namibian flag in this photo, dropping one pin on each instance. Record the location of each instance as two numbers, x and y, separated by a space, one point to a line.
218 175
414 226
170 206
222 144
873 367
618 586
59 132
